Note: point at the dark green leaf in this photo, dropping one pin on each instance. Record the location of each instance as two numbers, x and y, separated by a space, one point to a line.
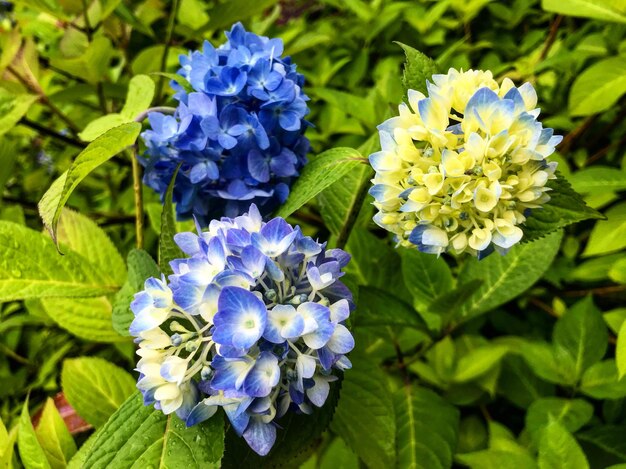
417 69
379 308
31 452
571 413
564 208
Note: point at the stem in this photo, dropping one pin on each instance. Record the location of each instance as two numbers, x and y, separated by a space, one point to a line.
88 29
44 99
400 356
163 109
554 28
166 49
138 189
51 133
354 209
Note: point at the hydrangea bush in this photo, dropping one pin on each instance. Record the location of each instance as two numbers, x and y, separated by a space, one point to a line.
252 322
238 132
226 298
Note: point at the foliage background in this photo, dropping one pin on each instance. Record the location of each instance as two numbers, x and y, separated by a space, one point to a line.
510 362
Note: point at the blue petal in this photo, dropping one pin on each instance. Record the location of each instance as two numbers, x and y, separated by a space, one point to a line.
260 436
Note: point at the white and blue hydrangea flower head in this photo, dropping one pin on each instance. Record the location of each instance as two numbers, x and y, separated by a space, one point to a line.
460 169
253 321
238 134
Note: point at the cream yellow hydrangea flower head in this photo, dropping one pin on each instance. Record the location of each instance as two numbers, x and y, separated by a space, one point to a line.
460 170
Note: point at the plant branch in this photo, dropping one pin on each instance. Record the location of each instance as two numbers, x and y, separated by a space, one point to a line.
51 133
554 29
44 99
168 41
163 109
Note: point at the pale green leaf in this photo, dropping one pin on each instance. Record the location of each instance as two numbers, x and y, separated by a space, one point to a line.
87 318
13 108
599 87
601 381
138 436
31 267
620 351
505 277
95 387
615 318
606 10
31 453
610 235
496 459
90 66
85 237
478 361
54 437
101 125
618 271
365 403
97 152
573 414
426 429
558 449
598 179
322 171
543 361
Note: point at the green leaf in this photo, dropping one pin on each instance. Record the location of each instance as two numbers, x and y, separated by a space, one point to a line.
141 266
87 318
168 249
321 172
598 179
90 66
7 443
85 237
139 436
426 276
618 271
375 263
360 107
610 235
609 438
451 303
558 449
95 387
54 437
224 14
138 99
298 436
564 208
365 404
582 334
496 459
97 152
620 351
542 360
417 69
379 308
601 381
605 10
426 429
478 361
32 268
598 87
342 197
572 414
12 108
31 453
506 277
519 385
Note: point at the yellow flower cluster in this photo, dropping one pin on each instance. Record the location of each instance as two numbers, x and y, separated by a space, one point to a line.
460 169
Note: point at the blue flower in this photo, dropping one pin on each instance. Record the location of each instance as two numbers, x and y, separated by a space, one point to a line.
238 135
253 321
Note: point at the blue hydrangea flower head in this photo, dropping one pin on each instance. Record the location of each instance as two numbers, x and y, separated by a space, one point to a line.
252 321
461 168
238 134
